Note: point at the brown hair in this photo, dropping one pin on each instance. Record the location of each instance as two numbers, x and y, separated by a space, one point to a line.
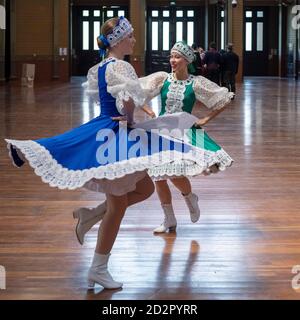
107 29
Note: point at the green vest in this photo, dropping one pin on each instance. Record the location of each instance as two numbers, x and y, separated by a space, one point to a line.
189 98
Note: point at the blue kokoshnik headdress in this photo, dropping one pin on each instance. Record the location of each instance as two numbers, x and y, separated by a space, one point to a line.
120 32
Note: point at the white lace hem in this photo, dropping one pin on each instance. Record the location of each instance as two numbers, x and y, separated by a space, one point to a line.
56 175
218 162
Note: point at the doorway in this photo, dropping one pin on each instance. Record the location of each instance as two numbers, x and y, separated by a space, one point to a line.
260 41
167 25
86 25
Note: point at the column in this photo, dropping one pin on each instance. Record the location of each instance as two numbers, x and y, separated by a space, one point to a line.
206 25
235 33
61 40
2 40
138 20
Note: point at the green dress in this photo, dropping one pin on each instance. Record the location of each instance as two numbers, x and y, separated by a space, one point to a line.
178 97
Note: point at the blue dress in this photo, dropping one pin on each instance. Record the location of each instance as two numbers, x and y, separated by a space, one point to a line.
102 155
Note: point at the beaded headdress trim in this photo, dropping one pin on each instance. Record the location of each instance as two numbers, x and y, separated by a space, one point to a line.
183 49
120 31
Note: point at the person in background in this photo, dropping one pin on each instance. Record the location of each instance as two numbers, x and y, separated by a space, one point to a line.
212 63
202 53
230 68
222 52
197 62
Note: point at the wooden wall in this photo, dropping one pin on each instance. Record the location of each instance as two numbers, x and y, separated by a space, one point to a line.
2 48
39 29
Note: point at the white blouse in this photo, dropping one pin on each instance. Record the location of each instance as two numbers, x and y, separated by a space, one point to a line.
123 84
207 92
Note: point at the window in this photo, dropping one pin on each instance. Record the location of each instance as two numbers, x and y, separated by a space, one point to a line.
179 13
222 35
190 33
222 30
248 36
154 35
166 37
85 35
248 14
166 26
110 13
179 31
96 34
190 13
260 36
260 14
90 26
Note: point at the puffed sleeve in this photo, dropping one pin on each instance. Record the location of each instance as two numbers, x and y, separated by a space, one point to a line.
153 83
123 84
210 94
91 85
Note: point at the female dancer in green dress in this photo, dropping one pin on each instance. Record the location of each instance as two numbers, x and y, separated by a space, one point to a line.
179 92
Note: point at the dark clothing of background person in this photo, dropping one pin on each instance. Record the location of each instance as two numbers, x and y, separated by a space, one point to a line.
230 67
212 60
222 52
197 64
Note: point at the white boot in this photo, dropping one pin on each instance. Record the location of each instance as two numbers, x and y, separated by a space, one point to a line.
87 218
98 273
192 202
170 222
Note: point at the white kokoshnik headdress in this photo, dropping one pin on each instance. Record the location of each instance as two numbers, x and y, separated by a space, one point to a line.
120 32
184 50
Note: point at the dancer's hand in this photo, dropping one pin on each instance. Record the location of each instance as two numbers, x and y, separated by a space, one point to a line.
152 115
201 122
149 111
121 118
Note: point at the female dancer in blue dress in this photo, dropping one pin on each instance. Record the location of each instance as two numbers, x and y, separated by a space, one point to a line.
103 154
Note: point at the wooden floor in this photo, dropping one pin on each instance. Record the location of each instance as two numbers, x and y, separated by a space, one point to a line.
244 246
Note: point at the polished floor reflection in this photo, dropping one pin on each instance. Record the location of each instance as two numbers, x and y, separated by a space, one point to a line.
244 246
